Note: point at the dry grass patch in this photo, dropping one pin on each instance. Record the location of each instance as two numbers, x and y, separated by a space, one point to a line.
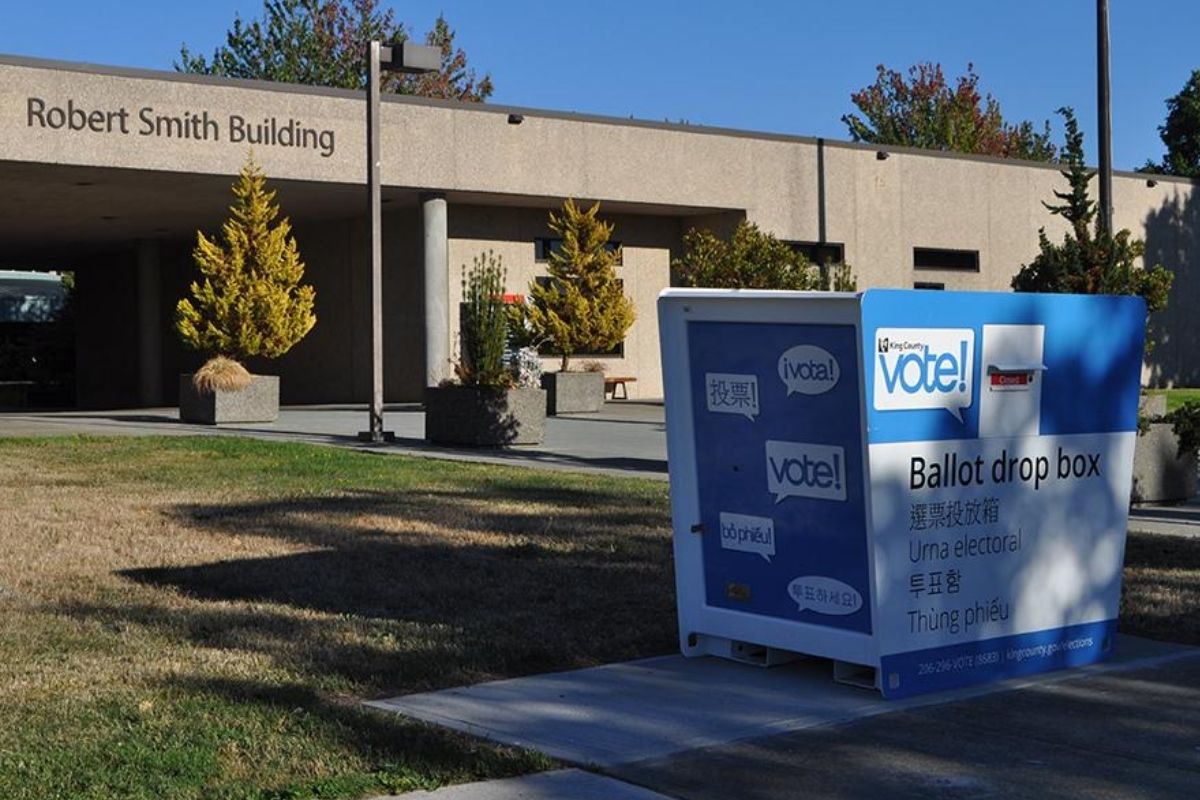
194 618
1161 594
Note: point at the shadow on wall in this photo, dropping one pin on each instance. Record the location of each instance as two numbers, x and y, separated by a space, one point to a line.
1173 240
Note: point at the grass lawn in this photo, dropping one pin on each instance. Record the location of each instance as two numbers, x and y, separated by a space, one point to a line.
1177 397
199 617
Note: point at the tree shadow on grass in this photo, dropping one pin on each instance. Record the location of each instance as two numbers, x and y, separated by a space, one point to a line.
384 593
406 591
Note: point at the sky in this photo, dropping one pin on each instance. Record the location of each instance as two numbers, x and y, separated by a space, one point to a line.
765 65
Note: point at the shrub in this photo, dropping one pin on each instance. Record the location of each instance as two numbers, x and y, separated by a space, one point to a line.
753 259
484 325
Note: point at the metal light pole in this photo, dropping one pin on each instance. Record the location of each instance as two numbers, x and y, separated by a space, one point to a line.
403 57
1104 107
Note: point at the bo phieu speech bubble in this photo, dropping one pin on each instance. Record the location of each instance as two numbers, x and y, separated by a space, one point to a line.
923 368
808 369
748 534
824 595
728 393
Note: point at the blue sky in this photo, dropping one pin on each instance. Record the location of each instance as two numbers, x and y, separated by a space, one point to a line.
774 66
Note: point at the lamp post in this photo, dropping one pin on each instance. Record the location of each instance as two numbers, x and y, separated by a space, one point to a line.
402 57
1105 113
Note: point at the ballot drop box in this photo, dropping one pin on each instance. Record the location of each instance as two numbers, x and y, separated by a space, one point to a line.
929 488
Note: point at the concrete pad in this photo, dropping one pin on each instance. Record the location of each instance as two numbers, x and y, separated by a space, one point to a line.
564 783
1130 733
623 713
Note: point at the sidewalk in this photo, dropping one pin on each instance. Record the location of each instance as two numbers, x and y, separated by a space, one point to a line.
708 729
625 437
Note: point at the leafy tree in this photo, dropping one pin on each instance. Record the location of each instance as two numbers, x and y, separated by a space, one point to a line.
322 43
924 110
582 307
251 302
752 259
1181 133
1090 260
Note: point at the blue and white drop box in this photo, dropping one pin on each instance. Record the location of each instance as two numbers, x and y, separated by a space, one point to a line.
929 488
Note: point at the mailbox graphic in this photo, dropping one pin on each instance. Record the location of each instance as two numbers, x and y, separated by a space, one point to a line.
929 488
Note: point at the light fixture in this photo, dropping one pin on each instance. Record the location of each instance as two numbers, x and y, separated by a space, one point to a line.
516 119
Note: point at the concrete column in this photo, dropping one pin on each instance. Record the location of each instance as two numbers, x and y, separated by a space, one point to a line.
150 324
437 288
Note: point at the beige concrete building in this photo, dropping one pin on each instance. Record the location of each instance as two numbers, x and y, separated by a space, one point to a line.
110 171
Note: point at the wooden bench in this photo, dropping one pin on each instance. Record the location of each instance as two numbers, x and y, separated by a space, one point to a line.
612 382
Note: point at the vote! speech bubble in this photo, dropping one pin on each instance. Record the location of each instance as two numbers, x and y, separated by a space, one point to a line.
924 368
824 595
728 393
808 369
800 469
748 534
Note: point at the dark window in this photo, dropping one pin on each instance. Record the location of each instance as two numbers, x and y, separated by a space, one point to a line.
929 285
956 260
544 246
821 253
547 349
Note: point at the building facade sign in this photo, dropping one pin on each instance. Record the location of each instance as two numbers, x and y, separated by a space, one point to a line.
200 125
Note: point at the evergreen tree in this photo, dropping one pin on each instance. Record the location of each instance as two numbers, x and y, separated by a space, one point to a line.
925 111
1090 260
1181 133
582 308
323 42
251 302
753 259
484 325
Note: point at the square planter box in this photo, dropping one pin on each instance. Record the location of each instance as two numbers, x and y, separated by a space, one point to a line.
1159 474
258 402
573 392
484 416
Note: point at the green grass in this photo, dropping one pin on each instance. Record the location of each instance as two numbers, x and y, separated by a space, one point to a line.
200 618
1177 397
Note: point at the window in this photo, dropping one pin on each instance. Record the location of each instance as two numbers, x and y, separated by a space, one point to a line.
820 253
547 349
544 246
929 285
936 258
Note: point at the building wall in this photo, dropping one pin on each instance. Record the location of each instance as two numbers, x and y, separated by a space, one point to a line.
500 179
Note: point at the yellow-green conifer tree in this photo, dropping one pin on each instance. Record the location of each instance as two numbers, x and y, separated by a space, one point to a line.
250 302
582 308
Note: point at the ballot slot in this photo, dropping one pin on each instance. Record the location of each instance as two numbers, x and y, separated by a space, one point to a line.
1011 403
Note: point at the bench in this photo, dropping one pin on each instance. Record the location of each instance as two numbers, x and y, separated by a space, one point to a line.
612 382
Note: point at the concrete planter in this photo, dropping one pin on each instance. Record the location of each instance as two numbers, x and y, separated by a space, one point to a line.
1159 475
573 392
258 402
484 416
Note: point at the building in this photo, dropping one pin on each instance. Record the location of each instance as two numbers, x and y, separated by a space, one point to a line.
109 172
